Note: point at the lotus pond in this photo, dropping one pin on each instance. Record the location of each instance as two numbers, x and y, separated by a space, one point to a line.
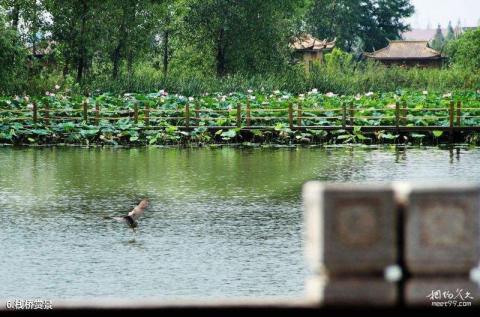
223 222
162 118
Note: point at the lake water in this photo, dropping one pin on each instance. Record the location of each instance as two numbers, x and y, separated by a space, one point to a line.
223 222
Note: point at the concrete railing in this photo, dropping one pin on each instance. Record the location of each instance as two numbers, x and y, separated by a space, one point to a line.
392 245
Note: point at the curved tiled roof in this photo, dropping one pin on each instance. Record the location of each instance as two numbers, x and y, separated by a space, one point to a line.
406 50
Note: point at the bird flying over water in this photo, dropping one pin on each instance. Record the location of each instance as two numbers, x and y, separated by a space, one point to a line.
132 217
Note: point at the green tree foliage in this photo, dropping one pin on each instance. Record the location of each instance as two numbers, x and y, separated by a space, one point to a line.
133 31
12 58
438 41
95 35
29 19
249 36
168 30
77 28
450 32
195 45
465 51
367 24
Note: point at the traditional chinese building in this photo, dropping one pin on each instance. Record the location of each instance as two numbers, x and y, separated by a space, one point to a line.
408 53
309 49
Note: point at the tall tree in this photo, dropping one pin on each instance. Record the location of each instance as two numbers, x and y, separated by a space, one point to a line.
77 28
13 8
245 35
130 32
439 40
340 19
370 23
12 58
29 19
458 29
450 32
170 27
465 51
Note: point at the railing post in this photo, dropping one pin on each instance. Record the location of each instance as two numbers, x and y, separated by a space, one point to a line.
97 113
47 113
197 113
299 114
404 113
147 114
397 114
85 111
248 114
459 113
187 115
35 113
135 112
239 115
290 115
352 114
451 111
344 115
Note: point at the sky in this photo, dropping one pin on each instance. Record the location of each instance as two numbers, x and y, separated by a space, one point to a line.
434 12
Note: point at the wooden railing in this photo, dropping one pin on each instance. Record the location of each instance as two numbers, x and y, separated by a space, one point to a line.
244 116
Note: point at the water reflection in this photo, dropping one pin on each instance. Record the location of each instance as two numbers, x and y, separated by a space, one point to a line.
223 222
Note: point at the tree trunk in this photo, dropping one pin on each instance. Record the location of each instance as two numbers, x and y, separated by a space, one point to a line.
333 16
221 54
34 30
120 48
82 53
67 53
65 70
128 15
116 61
130 64
165 52
15 15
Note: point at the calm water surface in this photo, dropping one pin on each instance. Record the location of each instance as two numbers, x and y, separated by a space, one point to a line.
223 222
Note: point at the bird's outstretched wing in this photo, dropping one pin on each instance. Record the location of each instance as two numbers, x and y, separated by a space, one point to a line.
119 219
138 210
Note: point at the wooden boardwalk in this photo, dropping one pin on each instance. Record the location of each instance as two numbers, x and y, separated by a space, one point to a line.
402 119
